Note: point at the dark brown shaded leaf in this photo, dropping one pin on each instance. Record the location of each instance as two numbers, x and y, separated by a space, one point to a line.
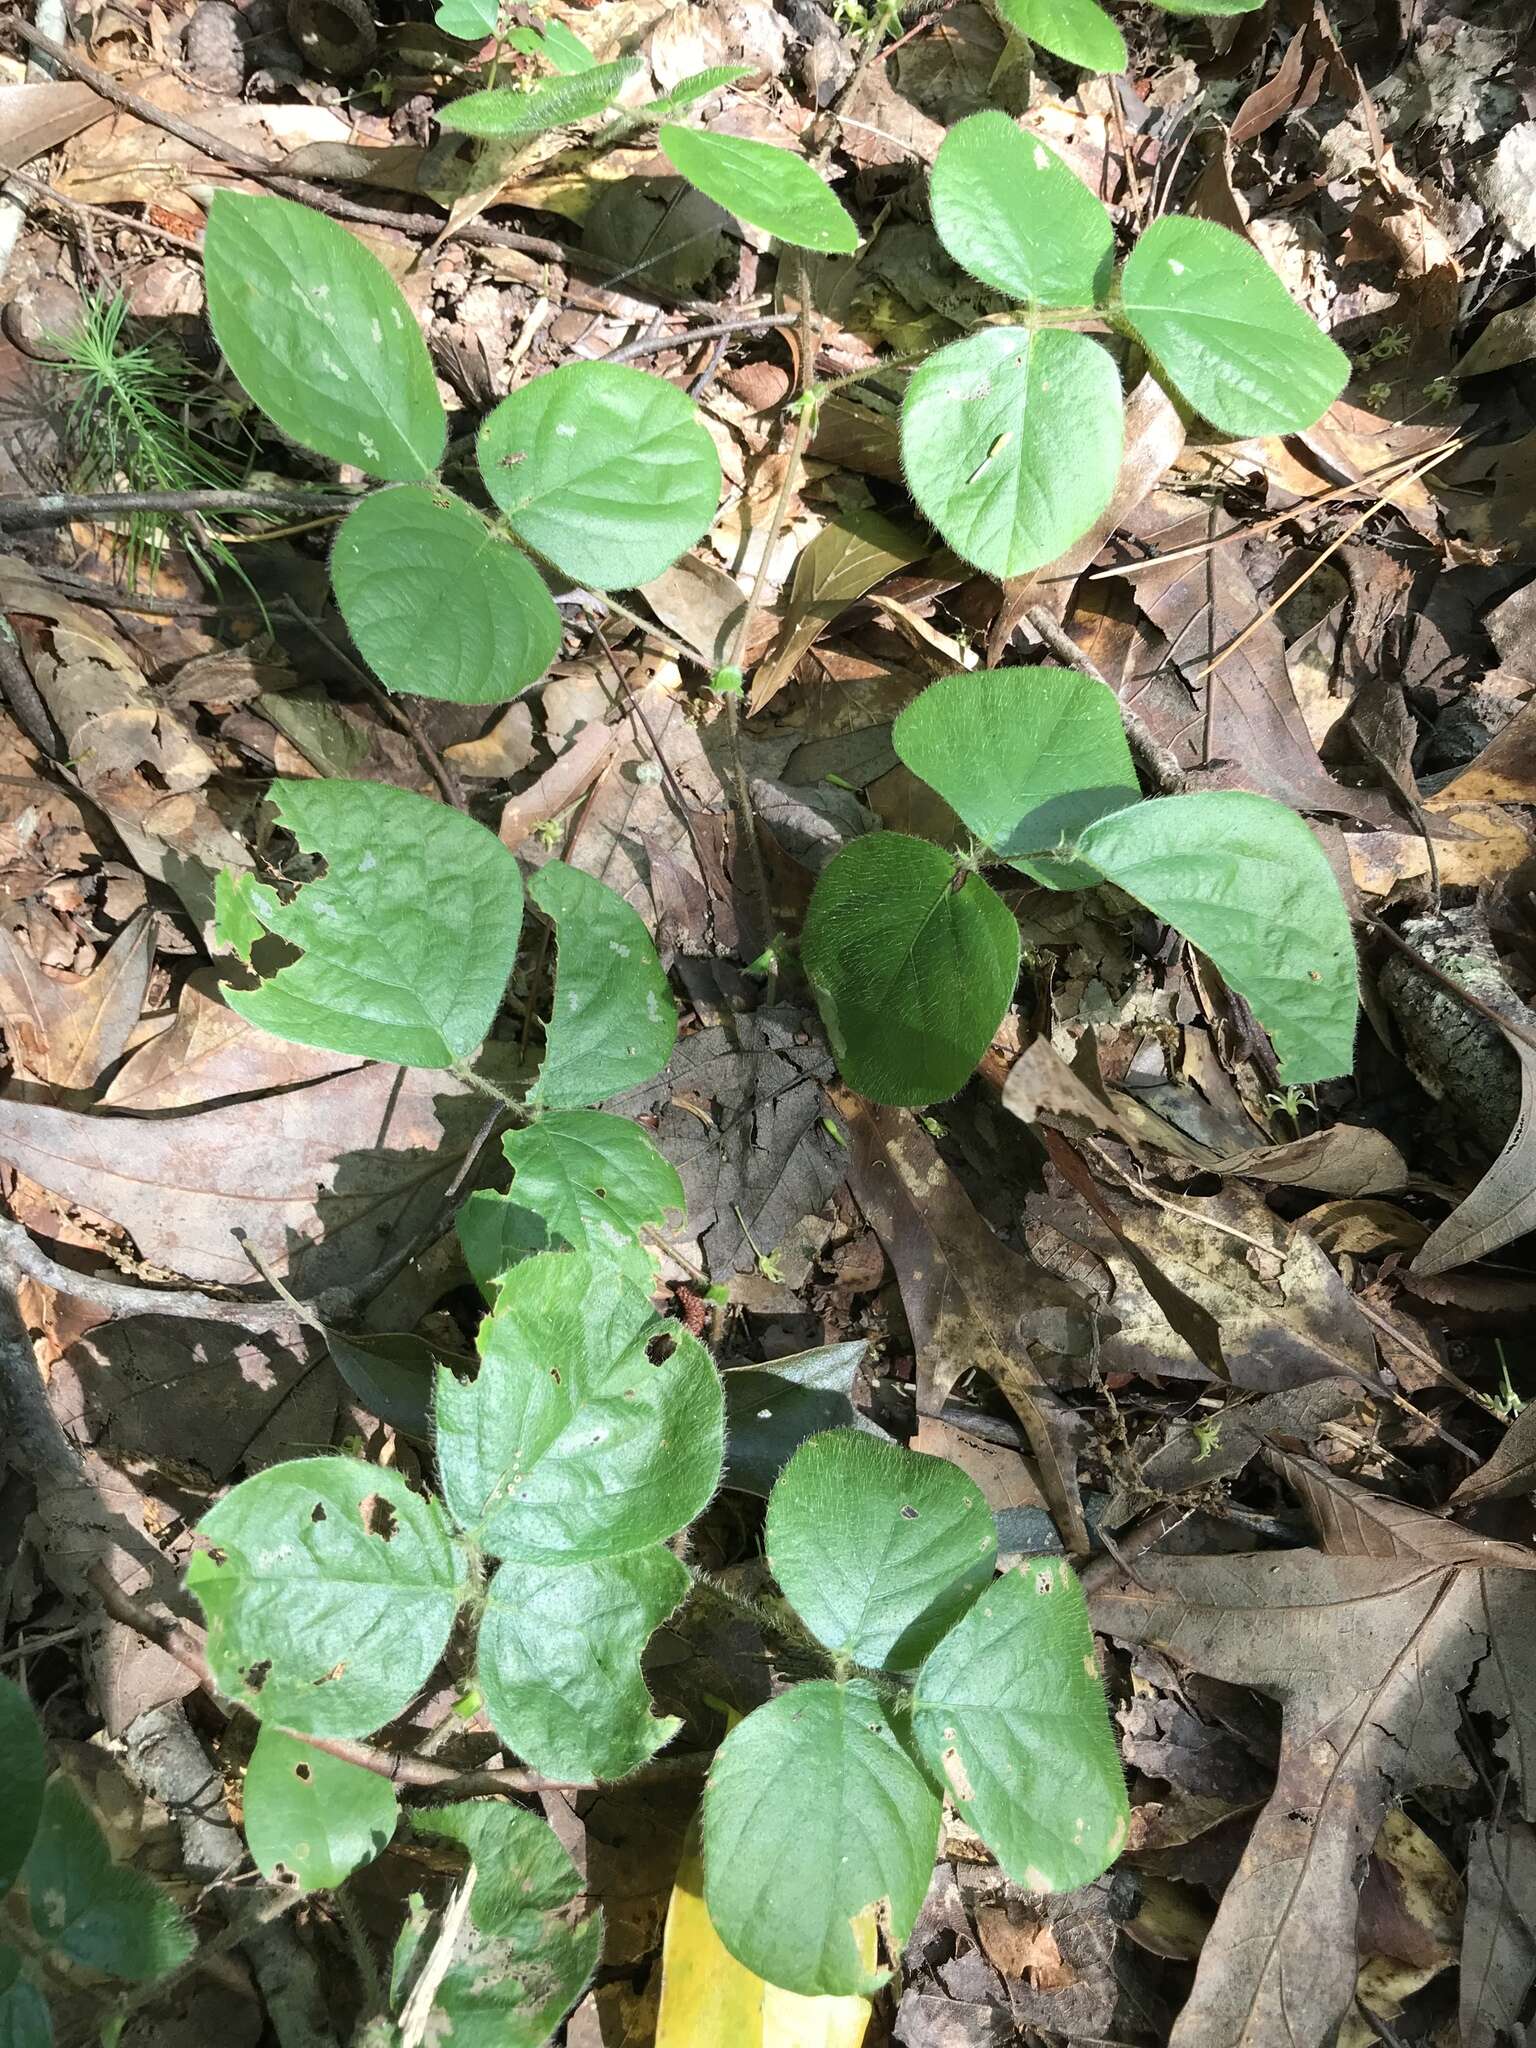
1498 1950
1353 1522
67 1029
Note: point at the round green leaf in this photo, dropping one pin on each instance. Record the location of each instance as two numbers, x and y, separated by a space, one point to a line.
594 1427
768 187
438 606
596 1180
1226 333
1010 1710
604 471
329 1589
913 963
1245 880
310 1814
99 1913
1078 30
559 1661
471 21
879 1550
406 940
1011 443
812 1813
519 116
321 337
612 1021
1026 757
1011 213
23 1769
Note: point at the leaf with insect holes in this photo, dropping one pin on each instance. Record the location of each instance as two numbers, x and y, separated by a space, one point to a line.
24 1763
558 1661
519 116
321 337
612 1021
311 1814
98 1913
521 1963
1225 333
329 1589
606 472
1011 443
406 940
1078 30
913 964
596 1180
879 1550
593 1428
1026 757
812 1812
1011 213
471 21
437 605
1245 880
766 186
1009 1710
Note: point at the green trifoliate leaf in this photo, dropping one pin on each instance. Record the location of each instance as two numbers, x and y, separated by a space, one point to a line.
470 20
407 938
770 1410
24 2019
1245 880
1026 757
594 1427
520 1965
23 1768
311 1815
596 1180
605 471
519 116
612 1020
99 1913
1226 333
559 1661
879 1550
813 1812
321 337
913 963
1011 213
1010 1711
438 606
1011 442
329 1589
767 187
1078 30
494 1234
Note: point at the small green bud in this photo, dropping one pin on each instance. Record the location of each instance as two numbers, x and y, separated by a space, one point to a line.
727 681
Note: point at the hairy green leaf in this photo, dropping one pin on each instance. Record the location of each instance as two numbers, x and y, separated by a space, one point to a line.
99 1913
24 2019
521 1869
438 606
559 1661
913 963
519 116
771 1409
813 1812
470 20
1025 757
23 1768
1245 880
321 337
612 1021
1011 213
1078 30
391 1373
1011 442
594 1427
329 1589
1009 1709
768 187
1226 333
407 939
605 471
596 1180
879 1550
495 1233
311 1814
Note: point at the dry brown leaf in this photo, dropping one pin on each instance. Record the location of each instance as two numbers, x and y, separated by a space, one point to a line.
1498 1953
1351 1521
847 558
1511 1470
1346 1159
38 116
499 754
66 1030
1502 1206
208 1054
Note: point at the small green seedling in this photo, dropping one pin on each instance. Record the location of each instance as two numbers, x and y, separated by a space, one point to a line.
913 956
74 1916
